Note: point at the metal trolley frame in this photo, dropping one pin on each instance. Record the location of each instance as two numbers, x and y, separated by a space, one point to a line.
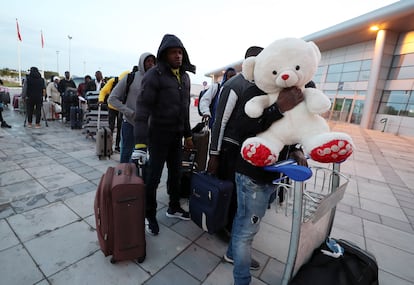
312 202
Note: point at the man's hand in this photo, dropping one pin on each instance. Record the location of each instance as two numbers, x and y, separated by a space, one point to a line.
205 118
213 164
288 98
299 157
139 156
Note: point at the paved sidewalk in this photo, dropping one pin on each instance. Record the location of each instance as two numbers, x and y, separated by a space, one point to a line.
48 179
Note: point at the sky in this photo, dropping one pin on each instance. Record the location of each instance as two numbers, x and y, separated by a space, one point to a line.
111 35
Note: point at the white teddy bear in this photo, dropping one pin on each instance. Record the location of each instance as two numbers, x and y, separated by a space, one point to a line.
285 63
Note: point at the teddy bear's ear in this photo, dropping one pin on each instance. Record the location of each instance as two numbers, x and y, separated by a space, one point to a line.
315 49
248 68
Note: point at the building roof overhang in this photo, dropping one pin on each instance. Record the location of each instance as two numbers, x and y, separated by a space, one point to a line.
397 17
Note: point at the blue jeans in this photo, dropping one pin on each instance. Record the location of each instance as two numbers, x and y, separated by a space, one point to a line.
127 142
252 202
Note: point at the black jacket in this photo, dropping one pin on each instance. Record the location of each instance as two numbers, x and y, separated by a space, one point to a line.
163 104
64 84
34 86
245 127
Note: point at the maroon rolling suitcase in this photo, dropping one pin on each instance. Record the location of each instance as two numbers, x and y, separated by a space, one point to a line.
120 213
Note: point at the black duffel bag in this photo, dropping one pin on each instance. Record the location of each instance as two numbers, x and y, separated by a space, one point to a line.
355 267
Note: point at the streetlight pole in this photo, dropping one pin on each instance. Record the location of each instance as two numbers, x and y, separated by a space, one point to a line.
57 62
70 39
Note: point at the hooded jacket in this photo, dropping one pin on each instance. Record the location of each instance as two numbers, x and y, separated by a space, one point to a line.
118 94
163 104
34 86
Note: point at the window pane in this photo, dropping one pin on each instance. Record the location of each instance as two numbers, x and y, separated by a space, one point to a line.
352 66
333 77
407 59
405 72
390 109
317 78
403 60
364 75
366 64
396 61
411 100
410 110
345 93
335 68
397 97
349 76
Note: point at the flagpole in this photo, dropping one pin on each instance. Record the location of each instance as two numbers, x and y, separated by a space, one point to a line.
19 62
43 59
19 39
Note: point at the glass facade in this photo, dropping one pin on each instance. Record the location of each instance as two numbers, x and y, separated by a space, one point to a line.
349 71
399 102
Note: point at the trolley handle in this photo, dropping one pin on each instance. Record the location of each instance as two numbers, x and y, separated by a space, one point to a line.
291 169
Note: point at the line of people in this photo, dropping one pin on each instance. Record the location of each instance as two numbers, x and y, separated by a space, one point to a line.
161 125
156 126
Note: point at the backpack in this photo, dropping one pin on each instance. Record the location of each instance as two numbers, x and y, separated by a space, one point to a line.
130 79
212 104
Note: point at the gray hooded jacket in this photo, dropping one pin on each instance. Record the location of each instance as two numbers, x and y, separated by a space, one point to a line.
118 94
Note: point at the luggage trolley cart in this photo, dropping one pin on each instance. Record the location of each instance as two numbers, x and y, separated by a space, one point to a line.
312 201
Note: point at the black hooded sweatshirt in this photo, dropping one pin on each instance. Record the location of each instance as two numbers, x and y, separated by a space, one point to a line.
163 104
35 85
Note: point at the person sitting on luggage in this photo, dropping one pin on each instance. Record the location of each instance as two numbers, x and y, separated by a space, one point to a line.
34 89
162 120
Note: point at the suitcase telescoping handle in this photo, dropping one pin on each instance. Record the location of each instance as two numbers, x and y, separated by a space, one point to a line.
99 116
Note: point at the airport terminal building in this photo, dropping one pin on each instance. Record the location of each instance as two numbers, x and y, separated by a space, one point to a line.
367 69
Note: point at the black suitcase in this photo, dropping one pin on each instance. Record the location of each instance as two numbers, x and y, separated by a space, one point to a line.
76 117
69 99
188 166
209 201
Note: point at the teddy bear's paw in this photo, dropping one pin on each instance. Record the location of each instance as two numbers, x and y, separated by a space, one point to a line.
332 151
258 154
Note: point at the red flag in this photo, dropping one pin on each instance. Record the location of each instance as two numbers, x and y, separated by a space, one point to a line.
41 38
19 37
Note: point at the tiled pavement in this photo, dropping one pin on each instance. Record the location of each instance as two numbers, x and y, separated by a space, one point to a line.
48 179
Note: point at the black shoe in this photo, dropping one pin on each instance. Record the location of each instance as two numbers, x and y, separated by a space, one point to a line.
5 125
151 226
254 264
117 149
179 213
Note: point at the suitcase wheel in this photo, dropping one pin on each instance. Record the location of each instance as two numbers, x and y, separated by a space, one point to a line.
141 259
113 261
